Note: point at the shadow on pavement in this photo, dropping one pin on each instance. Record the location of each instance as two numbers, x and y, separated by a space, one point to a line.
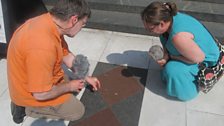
156 85
132 58
44 122
150 78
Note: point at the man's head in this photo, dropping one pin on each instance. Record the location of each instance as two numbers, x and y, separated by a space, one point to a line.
71 15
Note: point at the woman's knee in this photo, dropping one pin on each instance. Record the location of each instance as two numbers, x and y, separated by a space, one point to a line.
180 81
187 96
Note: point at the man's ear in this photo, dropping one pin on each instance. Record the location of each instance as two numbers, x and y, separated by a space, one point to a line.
74 19
162 23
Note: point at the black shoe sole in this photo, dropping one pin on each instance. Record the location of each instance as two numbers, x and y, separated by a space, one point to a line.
18 113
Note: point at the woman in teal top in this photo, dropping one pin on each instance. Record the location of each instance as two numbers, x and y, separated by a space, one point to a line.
186 42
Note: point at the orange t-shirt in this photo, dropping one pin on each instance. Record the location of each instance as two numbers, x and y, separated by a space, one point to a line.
34 61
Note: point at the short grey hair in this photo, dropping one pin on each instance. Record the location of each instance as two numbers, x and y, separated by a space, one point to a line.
64 9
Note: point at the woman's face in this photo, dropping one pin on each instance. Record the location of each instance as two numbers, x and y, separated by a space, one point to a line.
159 29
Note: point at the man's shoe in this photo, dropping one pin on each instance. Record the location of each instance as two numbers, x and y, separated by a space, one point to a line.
18 113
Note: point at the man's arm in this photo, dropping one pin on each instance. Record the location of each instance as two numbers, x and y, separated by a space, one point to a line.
58 90
68 59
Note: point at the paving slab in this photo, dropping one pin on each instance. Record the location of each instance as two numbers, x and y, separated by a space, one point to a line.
3 77
5 116
89 42
211 102
132 50
197 118
158 109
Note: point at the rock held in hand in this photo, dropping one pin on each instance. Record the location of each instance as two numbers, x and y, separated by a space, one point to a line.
156 52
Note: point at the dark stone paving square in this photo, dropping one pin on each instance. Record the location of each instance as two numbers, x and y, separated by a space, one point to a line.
128 110
116 87
102 118
93 103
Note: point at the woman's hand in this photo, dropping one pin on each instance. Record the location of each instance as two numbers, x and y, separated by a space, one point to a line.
162 62
94 82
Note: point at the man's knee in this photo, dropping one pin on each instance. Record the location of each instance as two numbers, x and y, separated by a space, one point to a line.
184 94
78 113
71 110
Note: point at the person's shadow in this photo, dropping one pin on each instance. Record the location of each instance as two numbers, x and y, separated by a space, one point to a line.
149 74
44 122
131 58
136 62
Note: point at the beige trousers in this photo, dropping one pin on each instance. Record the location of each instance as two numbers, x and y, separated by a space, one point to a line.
71 110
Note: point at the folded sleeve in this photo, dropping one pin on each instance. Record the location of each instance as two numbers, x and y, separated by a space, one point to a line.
64 47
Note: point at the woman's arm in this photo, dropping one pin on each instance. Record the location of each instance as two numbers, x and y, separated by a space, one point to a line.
189 50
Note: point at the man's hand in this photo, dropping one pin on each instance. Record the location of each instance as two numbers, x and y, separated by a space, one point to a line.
94 82
76 85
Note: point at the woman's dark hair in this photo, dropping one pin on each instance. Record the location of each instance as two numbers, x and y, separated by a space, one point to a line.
64 9
159 11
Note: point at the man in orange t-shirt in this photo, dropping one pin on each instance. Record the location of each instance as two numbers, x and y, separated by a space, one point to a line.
36 52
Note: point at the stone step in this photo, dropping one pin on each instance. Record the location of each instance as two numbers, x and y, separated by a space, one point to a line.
211 16
183 5
210 1
124 15
131 23
135 6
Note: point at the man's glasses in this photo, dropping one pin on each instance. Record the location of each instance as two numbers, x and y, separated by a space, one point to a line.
82 21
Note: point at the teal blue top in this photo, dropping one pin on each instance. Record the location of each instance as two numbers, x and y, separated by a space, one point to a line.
185 23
